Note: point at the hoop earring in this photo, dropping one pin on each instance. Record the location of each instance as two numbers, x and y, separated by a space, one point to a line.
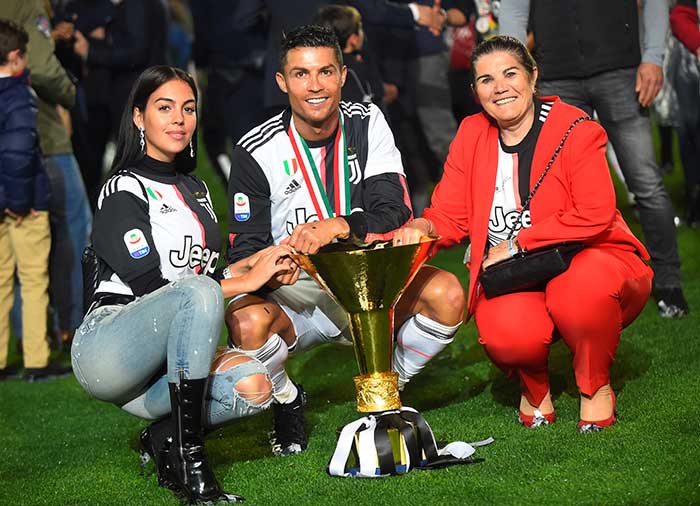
191 149
142 140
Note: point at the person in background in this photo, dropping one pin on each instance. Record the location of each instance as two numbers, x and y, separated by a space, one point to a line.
121 38
69 210
416 63
684 25
364 82
180 33
25 237
86 17
228 52
590 56
496 160
148 342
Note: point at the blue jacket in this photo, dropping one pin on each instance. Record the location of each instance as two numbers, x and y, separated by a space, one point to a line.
23 181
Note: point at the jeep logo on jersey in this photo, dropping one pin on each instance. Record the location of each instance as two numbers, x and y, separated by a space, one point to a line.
501 221
193 255
136 243
291 167
241 207
300 216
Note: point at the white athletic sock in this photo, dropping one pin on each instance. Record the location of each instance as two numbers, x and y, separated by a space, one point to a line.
419 340
273 355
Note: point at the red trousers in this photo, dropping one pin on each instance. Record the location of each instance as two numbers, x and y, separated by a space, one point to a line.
602 292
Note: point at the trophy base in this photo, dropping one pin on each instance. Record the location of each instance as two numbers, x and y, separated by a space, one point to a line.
392 443
398 453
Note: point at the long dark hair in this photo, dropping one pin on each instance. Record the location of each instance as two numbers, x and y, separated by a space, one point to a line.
128 151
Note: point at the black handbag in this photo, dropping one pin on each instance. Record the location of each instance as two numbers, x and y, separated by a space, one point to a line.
530 270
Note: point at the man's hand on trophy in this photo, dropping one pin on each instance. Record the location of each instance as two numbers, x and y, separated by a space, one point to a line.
413 232
308 238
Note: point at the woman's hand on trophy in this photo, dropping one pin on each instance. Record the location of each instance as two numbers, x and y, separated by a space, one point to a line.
272 264
308 238
413 232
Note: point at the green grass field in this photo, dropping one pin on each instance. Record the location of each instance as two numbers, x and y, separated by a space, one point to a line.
60 447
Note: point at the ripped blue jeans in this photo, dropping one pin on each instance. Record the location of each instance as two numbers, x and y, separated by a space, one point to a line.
128 354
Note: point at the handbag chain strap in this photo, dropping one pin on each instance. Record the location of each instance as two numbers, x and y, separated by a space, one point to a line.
544 173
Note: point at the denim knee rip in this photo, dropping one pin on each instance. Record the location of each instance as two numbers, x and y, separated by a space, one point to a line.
232 403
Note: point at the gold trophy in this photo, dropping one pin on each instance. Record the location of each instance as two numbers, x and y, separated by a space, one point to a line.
366 281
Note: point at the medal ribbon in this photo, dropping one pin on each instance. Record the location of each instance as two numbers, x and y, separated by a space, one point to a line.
311 174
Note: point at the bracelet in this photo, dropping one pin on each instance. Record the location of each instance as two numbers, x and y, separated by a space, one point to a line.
511 248
428 232
226 273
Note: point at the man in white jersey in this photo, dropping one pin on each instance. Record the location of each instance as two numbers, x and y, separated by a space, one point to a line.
323 170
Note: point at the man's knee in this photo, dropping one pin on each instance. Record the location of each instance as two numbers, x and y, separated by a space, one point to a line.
250 326
444 296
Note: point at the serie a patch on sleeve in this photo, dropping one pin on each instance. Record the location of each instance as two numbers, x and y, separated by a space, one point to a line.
136 243
43 25
241 207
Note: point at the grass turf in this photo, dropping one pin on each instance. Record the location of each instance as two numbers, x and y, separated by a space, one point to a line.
60 447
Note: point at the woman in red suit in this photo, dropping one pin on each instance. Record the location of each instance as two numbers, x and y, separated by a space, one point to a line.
494 161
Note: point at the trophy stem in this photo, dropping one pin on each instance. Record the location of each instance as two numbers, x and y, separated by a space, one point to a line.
372 336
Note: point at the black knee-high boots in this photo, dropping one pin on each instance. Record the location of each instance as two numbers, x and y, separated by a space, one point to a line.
177 446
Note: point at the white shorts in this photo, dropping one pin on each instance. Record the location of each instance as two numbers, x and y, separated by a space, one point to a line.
316 317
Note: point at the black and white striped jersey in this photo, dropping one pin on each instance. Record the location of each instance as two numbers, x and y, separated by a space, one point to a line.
149 217
268 195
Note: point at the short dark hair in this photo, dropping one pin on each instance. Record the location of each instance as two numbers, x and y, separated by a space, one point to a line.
343 19
309 36
509 45
128 151
12 36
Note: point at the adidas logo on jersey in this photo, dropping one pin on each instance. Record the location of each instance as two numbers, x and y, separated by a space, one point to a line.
165 209
293 186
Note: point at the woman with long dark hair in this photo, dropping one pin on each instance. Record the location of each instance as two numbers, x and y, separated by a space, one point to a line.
149 340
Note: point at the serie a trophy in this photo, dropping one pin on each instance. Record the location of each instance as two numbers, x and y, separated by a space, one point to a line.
390 438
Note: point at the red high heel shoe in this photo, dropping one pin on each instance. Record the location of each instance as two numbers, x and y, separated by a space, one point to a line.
586 427
538 419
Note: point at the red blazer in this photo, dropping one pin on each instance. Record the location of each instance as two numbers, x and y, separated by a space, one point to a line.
576 201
